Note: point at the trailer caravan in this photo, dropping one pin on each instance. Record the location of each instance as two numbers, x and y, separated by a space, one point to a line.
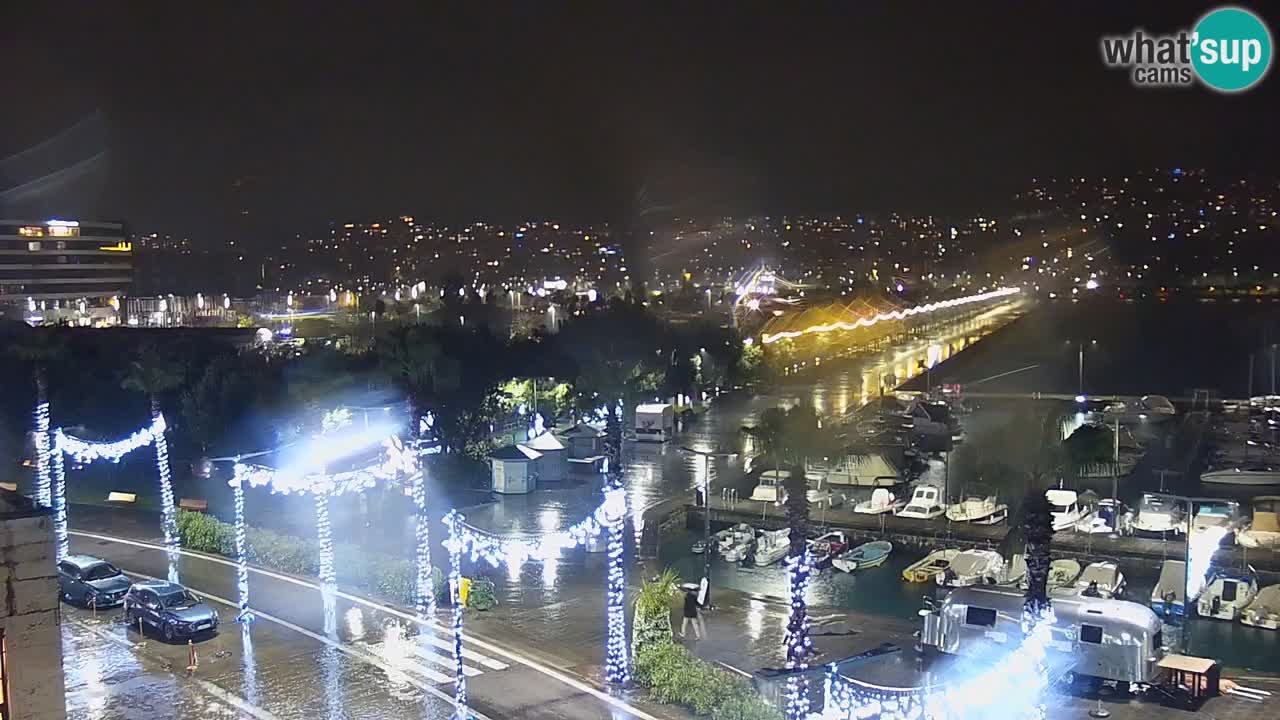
1091 637
655 422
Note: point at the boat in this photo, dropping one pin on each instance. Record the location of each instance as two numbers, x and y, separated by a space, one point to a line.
825 547
882 501
1264 611
1227 594
860 470
698 547
733 541
1148 408
978 508
1014 572
1251 473
1160 515
1067 508
972 567
925 504
772 545
1062 572
1169 594
769 489
1263 531
1214 515
1111 517
1103 578
866 555
924 569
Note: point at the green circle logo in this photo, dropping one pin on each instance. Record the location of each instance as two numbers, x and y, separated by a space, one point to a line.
1231 49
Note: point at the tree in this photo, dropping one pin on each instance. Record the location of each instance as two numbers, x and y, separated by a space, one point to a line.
1037 529
798 644
39 349
792 436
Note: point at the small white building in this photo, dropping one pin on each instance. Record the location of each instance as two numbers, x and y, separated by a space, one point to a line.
585 442
655 422
515 469
553 465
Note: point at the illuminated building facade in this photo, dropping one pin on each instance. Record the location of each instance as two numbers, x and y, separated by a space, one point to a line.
64 271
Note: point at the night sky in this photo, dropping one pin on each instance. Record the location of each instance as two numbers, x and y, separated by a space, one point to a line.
302 115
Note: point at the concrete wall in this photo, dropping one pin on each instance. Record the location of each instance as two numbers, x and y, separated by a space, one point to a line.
30 616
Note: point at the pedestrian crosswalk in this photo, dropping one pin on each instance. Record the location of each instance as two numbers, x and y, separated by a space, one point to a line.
428 656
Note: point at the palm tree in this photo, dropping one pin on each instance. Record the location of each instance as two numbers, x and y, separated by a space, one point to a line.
798 644
41 348
1037 530
154 373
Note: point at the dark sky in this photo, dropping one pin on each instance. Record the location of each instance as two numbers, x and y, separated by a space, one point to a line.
300 113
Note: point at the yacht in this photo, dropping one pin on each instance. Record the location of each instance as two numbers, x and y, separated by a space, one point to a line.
972 567
1226 595
1110 518
860 470
1264 611
924 569
1067 508
1160 514
1263 531
1249 473
1168 597
732 542
866 555
769 489
882 501
925 504
772 546
978 508
1102 577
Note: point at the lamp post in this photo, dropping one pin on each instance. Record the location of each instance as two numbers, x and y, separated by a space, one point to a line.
706 510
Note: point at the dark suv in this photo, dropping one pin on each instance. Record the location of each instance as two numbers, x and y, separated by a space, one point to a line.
171 609
91 581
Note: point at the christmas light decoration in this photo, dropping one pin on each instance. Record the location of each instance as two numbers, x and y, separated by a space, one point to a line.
328 581
424 598
454 545
249 668
168 513
617 664
768 338
87 451
63 545
245 615
40 421
798 644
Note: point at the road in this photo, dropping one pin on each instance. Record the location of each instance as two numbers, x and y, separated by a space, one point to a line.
284 667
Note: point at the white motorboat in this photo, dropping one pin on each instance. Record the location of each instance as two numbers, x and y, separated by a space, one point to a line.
861 470
1014 572
925 504
1252 473
1263 531
769 489
972 567
1220 514
698 547
825 547
1067 508
733 542
1110 517
1168 597
1062 573
928 567
1100 579
882 501
772 546
1226 595
980 509
1148 408
1160 514
864 556
1264 611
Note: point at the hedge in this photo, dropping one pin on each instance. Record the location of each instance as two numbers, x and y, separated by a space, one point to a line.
382 575
675 676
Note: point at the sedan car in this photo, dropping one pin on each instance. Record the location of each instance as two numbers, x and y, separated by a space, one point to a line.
169 608
91 581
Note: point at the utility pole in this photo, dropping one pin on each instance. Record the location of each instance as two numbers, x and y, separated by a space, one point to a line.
1080 370
707 549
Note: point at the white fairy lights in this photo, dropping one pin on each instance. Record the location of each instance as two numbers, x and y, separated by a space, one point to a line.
168 513
86 451
40 420
242 548
455 545
798 644
423 595
328 581
63 546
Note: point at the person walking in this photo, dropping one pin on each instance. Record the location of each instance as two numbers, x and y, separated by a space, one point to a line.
691 614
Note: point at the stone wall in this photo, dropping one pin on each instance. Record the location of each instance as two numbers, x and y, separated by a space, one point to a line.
29 617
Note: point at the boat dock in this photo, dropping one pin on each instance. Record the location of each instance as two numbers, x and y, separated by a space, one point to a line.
930 534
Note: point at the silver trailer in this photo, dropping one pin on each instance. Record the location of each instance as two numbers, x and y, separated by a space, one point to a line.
1091 637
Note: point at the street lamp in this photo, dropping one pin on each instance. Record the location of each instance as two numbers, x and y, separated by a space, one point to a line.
1080 369
706 511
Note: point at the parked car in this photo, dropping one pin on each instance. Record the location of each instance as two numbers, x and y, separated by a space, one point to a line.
169 608
91 581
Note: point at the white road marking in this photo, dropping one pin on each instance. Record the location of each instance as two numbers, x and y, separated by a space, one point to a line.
733 669
229 698
407 666
473 638
362 656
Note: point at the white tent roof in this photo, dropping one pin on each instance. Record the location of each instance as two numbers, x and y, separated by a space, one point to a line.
544 442
652 408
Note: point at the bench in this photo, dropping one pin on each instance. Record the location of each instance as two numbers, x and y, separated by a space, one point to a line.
194 504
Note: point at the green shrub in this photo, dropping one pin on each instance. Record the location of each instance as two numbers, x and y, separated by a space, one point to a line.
482 596
652 619
676 677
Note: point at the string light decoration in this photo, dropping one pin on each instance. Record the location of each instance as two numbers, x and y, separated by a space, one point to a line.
617 665
245 615
40 421
328 581
455 545
799 645
168 513
63 545
769 338
87 451
424 597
